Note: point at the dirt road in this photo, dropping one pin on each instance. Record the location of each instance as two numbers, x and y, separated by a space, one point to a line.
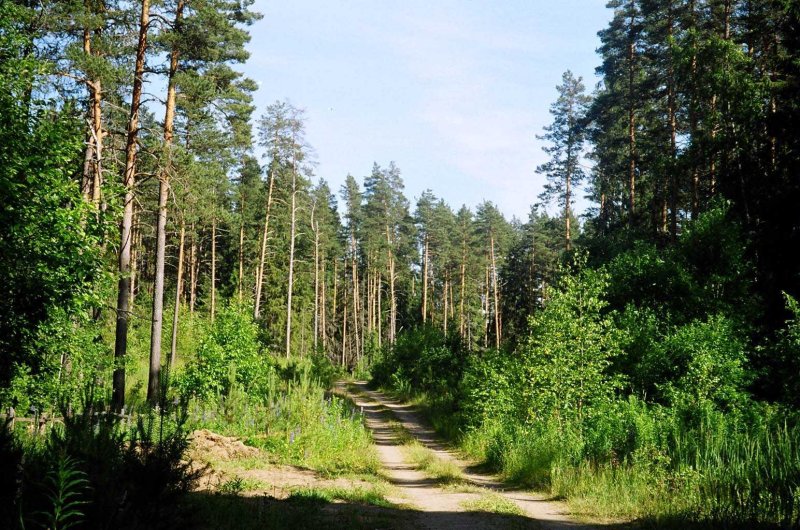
442 506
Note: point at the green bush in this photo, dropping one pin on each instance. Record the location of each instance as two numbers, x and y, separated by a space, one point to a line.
231 355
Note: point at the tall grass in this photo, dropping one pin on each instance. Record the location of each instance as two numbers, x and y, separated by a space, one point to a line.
720 470
299 424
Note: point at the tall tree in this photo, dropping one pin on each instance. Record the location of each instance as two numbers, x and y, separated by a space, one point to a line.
566 137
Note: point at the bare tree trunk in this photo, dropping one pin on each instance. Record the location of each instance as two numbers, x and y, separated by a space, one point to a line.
356 296
213 267
496 296
315 228
461 322
323 308
240 282
344 325
123 297
567 213
154 385
379 310
193 271
178 290
290 287
445 303
263 256
693 122
486 308
673 137
136 237
425 282
631 135
392 294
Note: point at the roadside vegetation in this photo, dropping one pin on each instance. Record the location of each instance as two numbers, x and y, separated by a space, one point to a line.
625 402
172 271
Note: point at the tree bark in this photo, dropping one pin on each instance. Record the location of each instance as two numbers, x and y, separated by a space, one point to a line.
263 256
154 385
425 282
124 258
178 290
496 296
315 228
192 271
290 287
213 267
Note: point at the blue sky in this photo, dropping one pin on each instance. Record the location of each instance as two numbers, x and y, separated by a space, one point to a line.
453 91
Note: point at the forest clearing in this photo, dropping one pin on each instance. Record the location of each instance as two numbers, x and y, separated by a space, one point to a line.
221 309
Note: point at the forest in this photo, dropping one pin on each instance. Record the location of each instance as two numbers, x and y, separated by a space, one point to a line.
171 263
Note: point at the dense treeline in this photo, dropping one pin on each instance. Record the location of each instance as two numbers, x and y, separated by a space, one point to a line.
147 205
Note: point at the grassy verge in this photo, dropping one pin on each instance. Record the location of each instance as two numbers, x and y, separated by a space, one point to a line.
492 503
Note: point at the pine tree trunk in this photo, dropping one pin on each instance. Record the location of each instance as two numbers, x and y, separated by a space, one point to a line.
323 308
631 131
315 226
496 296
673 137
461 322
178 290
356 297
213 267
263 257
485 306
290 286
425 282
379 310
135 245
344 325
123 296
240 282
444 326
153 385
567 213
193 271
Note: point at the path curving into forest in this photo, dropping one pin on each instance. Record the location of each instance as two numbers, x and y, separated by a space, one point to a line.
437 506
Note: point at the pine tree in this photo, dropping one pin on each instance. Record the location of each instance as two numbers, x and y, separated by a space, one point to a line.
566 135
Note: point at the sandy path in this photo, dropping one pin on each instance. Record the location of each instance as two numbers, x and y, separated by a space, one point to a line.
442 507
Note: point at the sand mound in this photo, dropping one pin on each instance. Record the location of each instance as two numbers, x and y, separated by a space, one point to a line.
207 445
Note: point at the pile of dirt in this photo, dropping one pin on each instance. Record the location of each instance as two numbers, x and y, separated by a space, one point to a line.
207 445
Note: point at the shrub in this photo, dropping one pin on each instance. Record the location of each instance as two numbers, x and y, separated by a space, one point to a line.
230 355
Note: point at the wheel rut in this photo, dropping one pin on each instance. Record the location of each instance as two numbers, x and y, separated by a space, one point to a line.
437 506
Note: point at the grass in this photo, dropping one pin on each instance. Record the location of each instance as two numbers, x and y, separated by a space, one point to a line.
302 426
234 512
493 503
437 468
374 495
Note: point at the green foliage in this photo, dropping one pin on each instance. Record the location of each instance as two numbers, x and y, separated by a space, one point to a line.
299 425
422 359
568 353
231 355
65 488
699 362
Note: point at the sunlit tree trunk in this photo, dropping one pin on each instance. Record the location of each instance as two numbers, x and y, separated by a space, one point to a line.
290 286
425 282
124 258
263 256
213 267
178 291
153 386
496 295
